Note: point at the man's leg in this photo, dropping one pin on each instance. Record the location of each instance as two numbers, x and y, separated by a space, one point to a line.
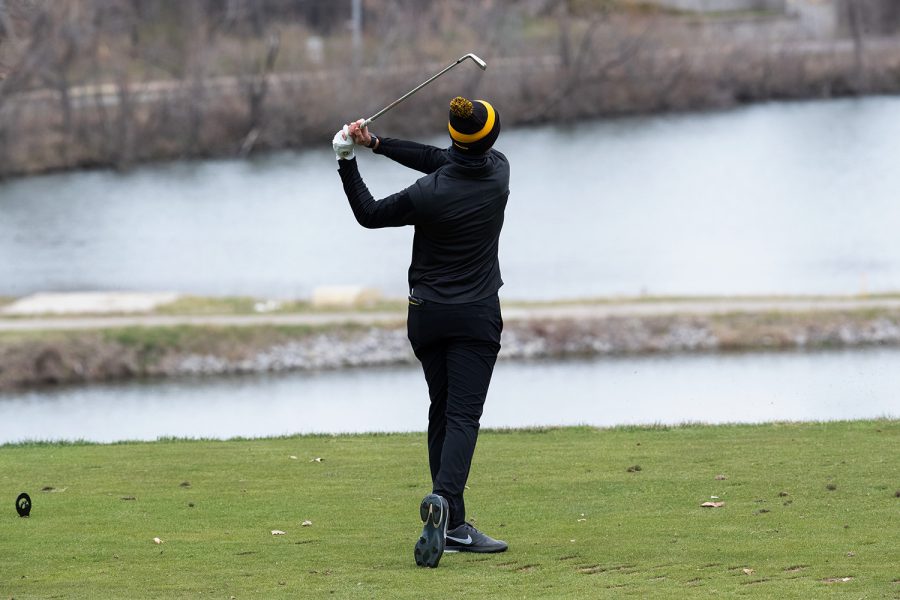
469 370
434 365
425 329
470 364
432 353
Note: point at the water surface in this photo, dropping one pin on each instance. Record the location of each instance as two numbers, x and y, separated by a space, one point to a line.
787 198
746 388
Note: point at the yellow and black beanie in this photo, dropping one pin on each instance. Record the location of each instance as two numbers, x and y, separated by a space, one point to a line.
474 126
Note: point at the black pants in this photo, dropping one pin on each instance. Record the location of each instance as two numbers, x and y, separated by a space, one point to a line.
457 345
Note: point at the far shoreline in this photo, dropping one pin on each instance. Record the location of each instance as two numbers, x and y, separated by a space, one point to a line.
216 337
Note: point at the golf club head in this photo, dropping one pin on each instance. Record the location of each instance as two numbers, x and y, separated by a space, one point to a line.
481 64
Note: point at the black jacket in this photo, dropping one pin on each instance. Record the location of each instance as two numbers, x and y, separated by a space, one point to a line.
457 210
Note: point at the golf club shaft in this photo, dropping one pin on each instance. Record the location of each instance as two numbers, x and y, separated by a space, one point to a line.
481 64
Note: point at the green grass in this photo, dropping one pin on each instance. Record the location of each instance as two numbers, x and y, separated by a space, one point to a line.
199 338
241 305
247 305
238 305
578 523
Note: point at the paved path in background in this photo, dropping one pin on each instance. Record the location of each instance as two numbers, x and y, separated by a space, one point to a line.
569 311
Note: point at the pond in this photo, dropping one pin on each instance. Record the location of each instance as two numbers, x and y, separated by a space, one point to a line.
777 198
723 388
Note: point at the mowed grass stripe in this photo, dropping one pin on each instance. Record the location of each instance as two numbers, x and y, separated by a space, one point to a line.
806 506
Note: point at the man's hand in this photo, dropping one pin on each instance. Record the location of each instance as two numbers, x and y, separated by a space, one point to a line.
343 144
360 134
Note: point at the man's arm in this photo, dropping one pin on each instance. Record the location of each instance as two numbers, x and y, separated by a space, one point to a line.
394 211
421 157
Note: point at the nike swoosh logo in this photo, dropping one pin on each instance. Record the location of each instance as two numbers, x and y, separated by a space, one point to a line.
466 541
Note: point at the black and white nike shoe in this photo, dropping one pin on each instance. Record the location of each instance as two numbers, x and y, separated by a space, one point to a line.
466 538
434 511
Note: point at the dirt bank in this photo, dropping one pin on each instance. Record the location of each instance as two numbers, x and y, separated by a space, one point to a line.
33 358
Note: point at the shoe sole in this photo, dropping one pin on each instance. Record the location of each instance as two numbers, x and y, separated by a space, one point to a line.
475 549
430 545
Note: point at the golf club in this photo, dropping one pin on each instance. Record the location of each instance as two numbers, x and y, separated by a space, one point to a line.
481 65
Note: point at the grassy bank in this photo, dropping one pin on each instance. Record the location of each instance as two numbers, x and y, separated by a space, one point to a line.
587 513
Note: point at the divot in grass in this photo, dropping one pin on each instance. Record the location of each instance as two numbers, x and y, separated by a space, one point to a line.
597 569
795 568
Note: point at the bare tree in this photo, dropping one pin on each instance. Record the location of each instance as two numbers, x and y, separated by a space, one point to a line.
257 88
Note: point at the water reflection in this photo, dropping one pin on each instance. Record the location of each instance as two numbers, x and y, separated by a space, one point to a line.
709 388
772 198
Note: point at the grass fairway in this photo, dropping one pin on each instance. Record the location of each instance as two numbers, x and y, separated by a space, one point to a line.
806 505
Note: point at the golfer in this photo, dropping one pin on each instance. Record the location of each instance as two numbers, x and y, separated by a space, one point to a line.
454 320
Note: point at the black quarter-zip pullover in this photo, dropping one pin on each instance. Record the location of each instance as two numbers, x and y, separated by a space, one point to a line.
457 209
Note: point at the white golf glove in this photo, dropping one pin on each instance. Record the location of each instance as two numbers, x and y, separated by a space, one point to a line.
343 144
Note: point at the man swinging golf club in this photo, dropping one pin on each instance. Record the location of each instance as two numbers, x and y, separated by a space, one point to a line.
454 320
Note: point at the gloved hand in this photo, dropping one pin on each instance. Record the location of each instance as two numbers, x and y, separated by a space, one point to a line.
343 144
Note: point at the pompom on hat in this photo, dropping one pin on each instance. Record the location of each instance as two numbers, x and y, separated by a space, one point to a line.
474 125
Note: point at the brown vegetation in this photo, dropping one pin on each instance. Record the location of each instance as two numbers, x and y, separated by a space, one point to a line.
113 82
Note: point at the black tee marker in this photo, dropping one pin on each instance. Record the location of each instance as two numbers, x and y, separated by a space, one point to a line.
23 505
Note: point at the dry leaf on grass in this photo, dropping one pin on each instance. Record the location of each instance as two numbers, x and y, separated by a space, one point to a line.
713 504
721 477
748 571
306 524
277 532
